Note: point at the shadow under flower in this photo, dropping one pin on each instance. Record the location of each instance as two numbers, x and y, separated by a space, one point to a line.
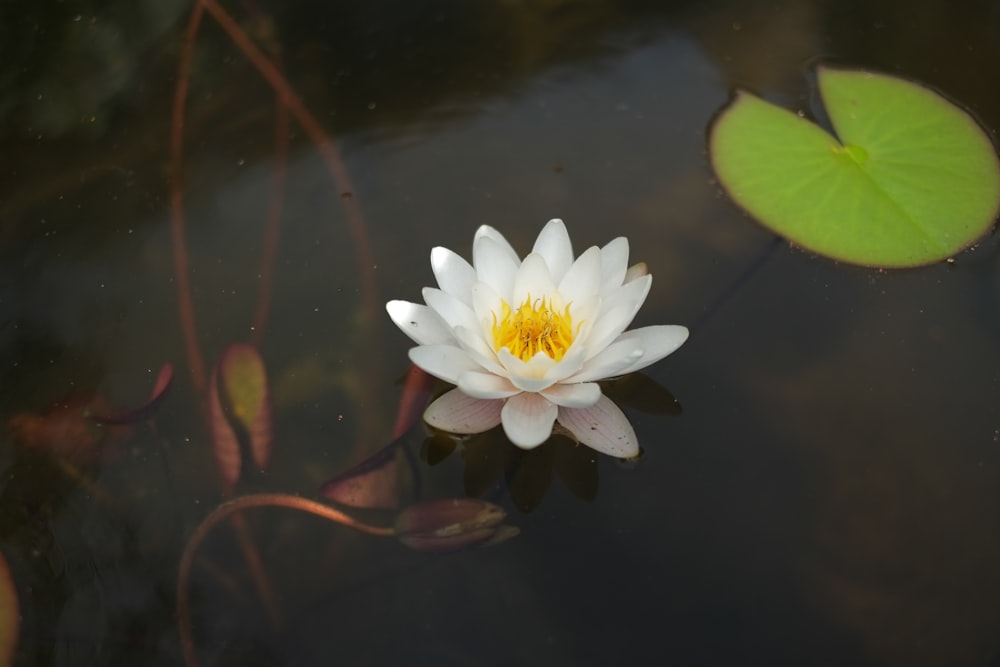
390 478
489 457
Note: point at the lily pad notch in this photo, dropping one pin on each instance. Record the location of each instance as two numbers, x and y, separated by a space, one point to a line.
909 179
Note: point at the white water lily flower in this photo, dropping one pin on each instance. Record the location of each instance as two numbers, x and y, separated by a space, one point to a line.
526 341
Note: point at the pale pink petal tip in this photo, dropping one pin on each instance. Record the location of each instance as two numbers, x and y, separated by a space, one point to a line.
456 412
602 427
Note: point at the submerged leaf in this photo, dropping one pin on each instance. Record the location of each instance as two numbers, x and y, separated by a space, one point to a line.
67 429
161 388
240 408
225 444
910 179
243 381
10 615
383 480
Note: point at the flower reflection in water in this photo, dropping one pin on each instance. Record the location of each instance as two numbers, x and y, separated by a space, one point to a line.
490 458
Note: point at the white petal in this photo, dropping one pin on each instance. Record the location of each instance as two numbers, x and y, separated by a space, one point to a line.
481 352
603 427
611 361
583 279
633 290
568 365
486 385
554 246
614 263
656 342
527 419
532 280
486 303
636 271
487 232
456 412
581 395
527 375
454 275
453 312
495 264
419 322
584 313
443 361
608 325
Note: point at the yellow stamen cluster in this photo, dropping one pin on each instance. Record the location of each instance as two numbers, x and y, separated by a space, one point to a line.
535 326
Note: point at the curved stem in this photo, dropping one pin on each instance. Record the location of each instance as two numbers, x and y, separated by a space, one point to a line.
224 511
341 179
327 150
184 301
273 225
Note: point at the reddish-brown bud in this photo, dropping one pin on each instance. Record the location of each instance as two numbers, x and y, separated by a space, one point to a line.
450 524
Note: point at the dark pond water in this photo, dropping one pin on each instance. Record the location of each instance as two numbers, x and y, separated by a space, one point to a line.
829 495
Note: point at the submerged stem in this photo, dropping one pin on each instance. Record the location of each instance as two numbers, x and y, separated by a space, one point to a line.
224 511
185 303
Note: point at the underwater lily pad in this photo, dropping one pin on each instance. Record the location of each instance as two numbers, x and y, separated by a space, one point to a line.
910 179
240 408
146 411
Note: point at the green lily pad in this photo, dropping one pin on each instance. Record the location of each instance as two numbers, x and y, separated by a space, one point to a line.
909 180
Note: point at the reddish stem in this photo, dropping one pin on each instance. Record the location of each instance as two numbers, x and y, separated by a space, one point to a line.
224 511
273 225
327 150
416 389
342 181
182 279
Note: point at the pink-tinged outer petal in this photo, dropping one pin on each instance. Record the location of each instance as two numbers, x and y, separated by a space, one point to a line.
452 312
581 395
527 419
419 322
454 275
533 280
443 361
486 385
583 279
614 263
555 247
655 342
496 265
602 427
456 412
612 361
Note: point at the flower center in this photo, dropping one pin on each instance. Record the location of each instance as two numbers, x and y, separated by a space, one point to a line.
533 327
